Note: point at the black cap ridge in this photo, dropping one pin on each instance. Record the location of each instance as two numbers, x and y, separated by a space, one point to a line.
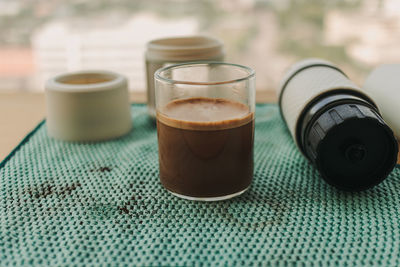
351 145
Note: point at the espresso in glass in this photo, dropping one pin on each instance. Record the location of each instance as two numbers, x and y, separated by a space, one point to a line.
205 130
205 147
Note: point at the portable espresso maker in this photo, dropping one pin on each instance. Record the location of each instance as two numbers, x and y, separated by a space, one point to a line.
383 85
336 126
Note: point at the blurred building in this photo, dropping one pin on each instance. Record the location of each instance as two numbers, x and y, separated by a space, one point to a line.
45 38
16 68
111 43
370 36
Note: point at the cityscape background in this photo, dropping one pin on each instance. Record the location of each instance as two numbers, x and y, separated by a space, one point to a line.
41 38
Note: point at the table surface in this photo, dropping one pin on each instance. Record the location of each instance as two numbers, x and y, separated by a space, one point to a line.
21 112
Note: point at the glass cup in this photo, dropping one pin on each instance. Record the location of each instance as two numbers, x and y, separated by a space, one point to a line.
205 127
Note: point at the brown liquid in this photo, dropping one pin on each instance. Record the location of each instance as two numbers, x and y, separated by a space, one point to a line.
90 78
205 147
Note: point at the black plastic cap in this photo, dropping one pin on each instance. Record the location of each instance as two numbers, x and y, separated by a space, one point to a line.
351 146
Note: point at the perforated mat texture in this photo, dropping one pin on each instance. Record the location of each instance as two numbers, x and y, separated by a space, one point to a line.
88 204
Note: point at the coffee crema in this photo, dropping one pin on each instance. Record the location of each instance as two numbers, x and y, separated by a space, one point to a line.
205 147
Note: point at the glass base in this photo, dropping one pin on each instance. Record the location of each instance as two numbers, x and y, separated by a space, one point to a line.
209 198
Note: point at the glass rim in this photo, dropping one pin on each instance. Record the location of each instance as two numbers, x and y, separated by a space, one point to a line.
157 75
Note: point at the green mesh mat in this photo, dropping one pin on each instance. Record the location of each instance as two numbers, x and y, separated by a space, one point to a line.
82 204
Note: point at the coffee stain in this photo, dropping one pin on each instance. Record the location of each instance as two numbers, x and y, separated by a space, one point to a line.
41 191
137 208
67 190
128 205
46 189
280 208
277 211
123 209
105 169
102 169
